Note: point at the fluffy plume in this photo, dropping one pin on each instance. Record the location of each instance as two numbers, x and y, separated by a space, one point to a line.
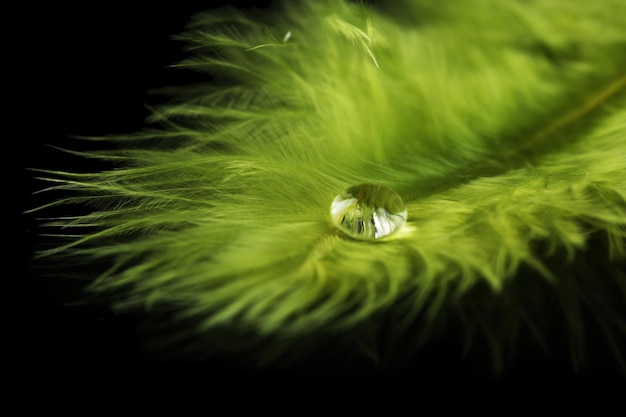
501 124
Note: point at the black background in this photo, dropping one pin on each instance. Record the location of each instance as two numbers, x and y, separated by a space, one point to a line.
86 70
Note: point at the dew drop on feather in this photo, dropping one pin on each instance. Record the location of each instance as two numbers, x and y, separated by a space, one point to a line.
368 211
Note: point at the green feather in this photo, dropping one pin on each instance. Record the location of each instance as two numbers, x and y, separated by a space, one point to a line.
502 124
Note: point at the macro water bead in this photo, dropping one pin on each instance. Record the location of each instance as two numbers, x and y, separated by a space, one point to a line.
368 211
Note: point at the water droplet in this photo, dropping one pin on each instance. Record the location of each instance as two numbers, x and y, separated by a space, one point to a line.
368 211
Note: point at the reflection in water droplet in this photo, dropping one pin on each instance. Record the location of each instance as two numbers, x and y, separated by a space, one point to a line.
368 211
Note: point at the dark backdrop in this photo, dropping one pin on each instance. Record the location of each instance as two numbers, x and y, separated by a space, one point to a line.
86 70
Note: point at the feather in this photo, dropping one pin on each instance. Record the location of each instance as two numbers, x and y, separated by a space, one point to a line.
501 124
